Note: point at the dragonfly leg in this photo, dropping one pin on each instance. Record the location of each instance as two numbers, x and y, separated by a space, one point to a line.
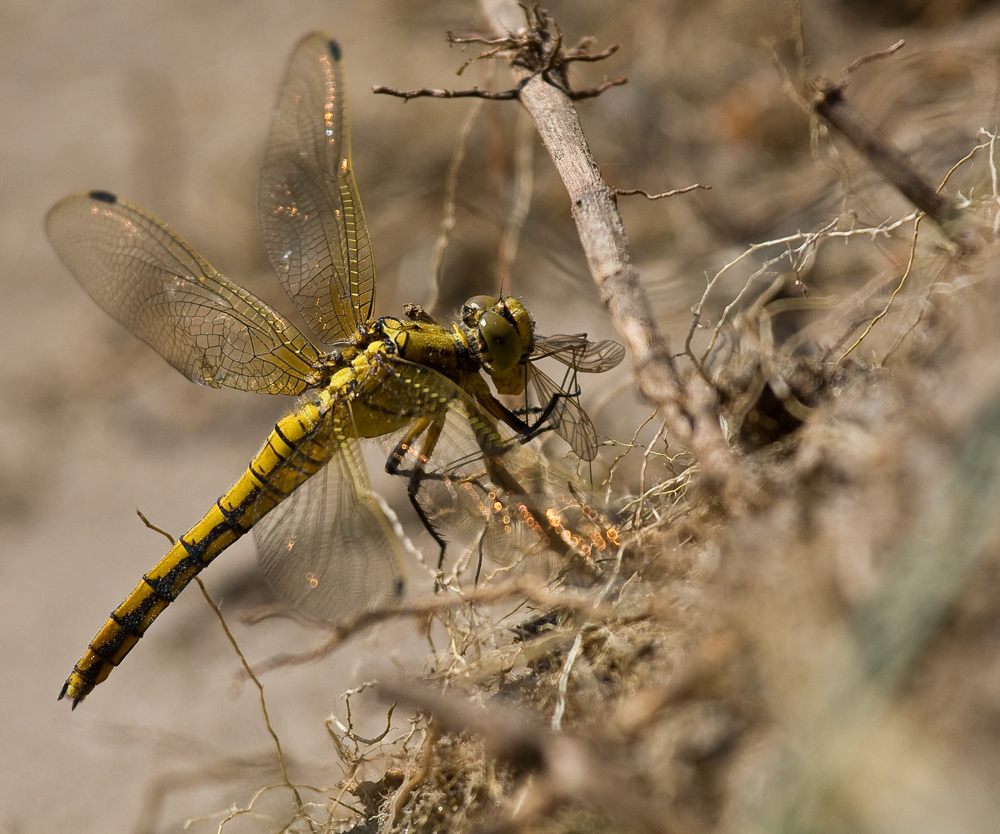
525 431
433 425
533 430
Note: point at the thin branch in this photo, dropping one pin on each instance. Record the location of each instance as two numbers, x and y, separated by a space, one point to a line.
593 92
425 92
628 192
807 242
448 217
885 310
504 95
523 187
523 587
246 667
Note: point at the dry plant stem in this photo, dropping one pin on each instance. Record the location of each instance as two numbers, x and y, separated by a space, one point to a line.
691 415
673 192
263 703
524 181
885 310
246 667
891 162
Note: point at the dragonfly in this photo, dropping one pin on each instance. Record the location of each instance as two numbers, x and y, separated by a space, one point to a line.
324 542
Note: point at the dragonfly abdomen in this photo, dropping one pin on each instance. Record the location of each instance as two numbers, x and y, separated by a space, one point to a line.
296 449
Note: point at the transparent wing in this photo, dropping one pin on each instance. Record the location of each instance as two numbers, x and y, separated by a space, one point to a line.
579 354
310 213
150 280
328 548
568 417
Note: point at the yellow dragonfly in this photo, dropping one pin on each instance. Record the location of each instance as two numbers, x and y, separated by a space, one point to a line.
324 542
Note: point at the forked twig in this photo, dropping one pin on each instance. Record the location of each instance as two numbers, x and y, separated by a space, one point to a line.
536 48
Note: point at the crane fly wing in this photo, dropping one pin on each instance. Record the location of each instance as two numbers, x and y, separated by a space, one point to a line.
328 549
310 212
142 274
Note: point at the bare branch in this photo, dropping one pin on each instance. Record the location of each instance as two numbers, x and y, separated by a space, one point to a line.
593 92
628 192
688 406
425 92
871 56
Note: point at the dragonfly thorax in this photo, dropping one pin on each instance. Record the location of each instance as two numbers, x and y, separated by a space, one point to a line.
501 332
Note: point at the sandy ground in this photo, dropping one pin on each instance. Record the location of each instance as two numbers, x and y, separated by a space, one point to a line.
167 104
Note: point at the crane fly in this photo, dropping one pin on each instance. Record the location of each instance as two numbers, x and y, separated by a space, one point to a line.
323 540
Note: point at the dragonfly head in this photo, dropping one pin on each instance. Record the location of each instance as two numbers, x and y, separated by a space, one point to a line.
502 332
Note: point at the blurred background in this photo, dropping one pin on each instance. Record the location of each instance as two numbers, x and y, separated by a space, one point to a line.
167 104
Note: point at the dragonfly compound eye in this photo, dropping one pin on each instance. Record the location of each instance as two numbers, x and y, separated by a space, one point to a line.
475 307
502 341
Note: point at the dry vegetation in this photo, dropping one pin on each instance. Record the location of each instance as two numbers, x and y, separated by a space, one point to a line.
800 632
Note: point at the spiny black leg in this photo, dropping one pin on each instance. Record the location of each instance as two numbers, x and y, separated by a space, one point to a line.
529 431
536 428
394 466
479 564
442 543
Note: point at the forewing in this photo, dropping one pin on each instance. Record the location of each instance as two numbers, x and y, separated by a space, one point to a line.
214 332
577 353
328 549
310 213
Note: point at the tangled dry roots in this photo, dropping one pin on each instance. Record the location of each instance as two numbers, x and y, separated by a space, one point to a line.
822 657
824 662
